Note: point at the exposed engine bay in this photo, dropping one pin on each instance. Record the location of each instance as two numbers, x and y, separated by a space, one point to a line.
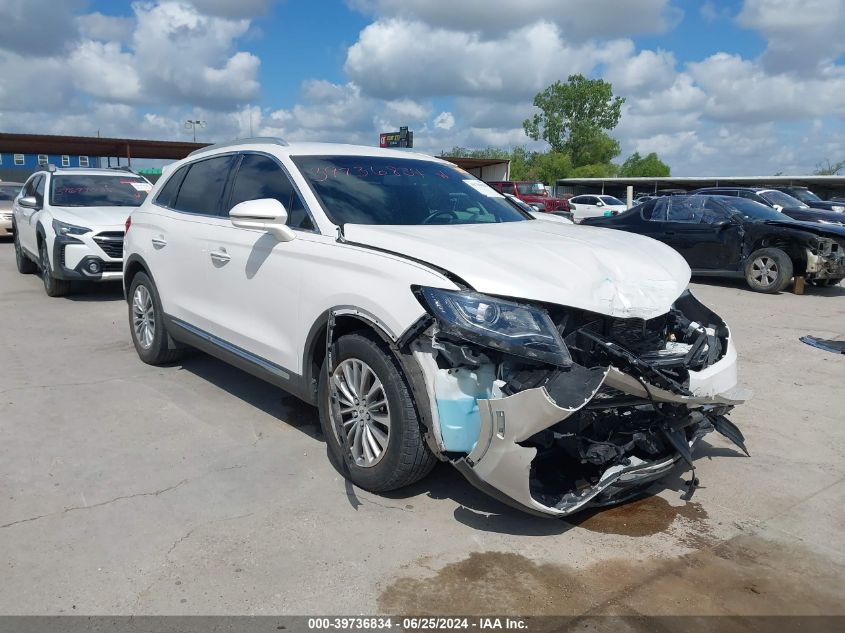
591 420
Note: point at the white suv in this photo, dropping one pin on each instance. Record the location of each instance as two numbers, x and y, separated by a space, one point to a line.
557 367
69 223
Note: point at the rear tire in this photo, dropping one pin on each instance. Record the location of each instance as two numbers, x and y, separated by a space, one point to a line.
146 323
768 270
52 286
406 458
25 265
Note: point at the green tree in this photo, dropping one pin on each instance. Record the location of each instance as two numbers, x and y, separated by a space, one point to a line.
551 166
574 117
596 170
635 165
829 169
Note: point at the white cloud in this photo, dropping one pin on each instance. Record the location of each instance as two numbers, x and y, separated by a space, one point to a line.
801 34
444 121
185 56
38 28
233 8
578 18
106 28
449 62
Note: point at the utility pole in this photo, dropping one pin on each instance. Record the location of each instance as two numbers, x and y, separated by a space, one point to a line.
193 125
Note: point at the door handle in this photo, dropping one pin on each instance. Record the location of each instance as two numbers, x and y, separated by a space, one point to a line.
159 242
219 257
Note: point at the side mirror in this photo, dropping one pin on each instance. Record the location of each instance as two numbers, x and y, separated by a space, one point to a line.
30 202
599 203
264 214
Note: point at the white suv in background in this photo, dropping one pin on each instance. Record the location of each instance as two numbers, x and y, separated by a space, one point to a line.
555 366
590 206
69 223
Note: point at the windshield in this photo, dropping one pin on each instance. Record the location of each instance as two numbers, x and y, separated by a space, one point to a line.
782 199
531 189
86 190
611 200
751 210
378 190
805 195
9 192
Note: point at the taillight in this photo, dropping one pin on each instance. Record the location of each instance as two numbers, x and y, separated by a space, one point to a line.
127 224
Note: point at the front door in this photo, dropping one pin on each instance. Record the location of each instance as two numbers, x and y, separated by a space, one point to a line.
259 277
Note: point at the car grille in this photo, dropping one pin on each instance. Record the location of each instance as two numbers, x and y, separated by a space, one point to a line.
111 243
112 267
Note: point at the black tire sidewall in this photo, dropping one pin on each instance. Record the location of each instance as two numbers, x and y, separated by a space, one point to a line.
386 473
155 353
785 270
52 286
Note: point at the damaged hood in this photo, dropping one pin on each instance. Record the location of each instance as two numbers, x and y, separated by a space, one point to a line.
601 270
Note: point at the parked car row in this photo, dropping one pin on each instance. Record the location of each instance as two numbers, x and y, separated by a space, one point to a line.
424 314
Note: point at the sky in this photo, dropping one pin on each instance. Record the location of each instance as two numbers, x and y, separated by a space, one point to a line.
715 87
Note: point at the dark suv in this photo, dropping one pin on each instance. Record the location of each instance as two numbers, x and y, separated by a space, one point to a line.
812 200
780 201
731 236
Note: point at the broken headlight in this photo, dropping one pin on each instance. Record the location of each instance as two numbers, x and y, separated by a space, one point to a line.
517 329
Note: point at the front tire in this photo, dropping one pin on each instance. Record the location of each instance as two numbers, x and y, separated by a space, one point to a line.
369 399
25 265
146 323
52 286
768 270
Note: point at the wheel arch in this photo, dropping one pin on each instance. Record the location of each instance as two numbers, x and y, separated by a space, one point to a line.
133 265
795 251
347 319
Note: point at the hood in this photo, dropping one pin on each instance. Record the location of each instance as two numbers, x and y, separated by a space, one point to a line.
6 205
816 215
601 270
835 231
93 217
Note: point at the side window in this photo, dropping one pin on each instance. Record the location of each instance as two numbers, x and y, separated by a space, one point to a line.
38 190
202 189
262 177
508 187
655 210
687 210
751 195
29 187
167 196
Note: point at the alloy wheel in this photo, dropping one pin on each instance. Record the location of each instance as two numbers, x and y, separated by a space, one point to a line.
764 270
143 317
360 401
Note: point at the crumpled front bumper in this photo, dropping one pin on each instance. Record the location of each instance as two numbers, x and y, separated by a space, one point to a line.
826 266
500 466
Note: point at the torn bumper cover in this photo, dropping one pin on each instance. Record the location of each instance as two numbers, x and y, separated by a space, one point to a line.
502 466
627 400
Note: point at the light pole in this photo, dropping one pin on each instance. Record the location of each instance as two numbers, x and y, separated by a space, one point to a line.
193 126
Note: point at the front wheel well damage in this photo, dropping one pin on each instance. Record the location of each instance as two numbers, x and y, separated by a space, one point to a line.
796 252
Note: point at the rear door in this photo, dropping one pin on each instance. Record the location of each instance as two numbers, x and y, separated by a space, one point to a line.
701 231
259 277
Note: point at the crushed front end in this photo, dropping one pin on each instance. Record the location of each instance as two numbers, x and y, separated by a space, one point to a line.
554 410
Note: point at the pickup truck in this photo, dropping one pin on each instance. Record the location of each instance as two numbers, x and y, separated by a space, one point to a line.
532 193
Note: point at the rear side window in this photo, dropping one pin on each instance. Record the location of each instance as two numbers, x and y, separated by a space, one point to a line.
167 196
262 177
655 210
689 210
202 189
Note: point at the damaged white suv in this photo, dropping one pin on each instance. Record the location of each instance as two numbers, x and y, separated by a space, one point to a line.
558 367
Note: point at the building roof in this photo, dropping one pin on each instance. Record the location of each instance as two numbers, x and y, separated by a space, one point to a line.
471 163
95 146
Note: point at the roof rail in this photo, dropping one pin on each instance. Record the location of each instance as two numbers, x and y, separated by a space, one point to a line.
243 141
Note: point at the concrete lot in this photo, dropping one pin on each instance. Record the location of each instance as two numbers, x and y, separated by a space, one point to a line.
197 489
